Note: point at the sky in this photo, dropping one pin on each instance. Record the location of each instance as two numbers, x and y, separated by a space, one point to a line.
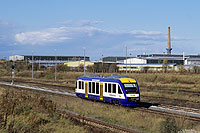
101 27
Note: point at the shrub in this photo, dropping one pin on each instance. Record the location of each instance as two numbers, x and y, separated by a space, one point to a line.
49 76
169 126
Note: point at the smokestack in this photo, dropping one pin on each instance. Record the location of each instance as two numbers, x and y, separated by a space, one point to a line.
169 43
169 49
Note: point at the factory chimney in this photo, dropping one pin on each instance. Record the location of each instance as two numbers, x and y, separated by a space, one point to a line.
169 49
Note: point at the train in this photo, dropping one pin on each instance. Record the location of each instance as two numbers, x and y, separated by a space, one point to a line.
116 89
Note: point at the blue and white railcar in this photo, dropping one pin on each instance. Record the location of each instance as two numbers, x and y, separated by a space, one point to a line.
114 89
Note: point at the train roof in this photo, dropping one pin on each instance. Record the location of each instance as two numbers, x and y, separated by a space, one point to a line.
111 78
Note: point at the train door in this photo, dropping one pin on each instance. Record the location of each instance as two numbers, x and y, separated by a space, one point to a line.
101 91
86 89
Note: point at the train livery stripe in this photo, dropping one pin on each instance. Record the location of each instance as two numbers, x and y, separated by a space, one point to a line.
127 80
86 89
101 91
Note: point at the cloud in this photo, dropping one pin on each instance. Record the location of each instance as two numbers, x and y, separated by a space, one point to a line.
65 34
80 23
66 23
89 23
52 35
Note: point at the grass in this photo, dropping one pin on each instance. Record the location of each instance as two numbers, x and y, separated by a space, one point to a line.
24 111
176 95
37 109
120 115
162 83
148 82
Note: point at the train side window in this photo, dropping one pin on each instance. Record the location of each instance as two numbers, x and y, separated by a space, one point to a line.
79 84
113 88
90 87
109 88
97 88
106 87
82 84
119 90
93 87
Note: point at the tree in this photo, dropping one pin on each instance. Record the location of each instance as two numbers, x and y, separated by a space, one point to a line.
195 69
113 68
62 68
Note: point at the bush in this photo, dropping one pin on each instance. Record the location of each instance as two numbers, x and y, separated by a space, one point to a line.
49 76
169 126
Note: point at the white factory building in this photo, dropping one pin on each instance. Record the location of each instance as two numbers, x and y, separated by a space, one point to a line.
156 62
47 60
158 59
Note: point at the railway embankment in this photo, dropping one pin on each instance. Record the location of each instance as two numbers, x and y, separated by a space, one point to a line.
126 117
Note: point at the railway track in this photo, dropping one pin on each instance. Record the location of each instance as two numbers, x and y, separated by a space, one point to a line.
95 122
176 111
151 98
170 89
174 102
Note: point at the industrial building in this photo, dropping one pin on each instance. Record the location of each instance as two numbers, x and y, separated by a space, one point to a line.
159 61
47 60
114 59
76 64
145 67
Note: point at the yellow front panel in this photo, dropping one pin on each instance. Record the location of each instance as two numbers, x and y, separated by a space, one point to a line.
127 80
101 91
86 89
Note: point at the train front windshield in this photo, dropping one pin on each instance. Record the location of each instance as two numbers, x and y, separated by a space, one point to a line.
131 88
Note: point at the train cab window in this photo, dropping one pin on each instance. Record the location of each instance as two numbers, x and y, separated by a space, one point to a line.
93 87
131 88
119 90
90 87
113 88
82 85
97 88
106 87
109 88
79 84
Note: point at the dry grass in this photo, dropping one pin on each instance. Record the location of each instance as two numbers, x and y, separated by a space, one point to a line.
26 111
177 95
107 112
162 81
120 115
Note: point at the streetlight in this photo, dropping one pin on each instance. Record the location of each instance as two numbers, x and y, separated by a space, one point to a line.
130 57
130 63
102 63
32 65
55 64
84 59
126 59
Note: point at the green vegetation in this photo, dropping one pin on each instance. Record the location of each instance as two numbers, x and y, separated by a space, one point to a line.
169 126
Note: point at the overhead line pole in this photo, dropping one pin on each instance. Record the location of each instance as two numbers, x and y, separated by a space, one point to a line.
126 59
32 65
55 64
84 59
